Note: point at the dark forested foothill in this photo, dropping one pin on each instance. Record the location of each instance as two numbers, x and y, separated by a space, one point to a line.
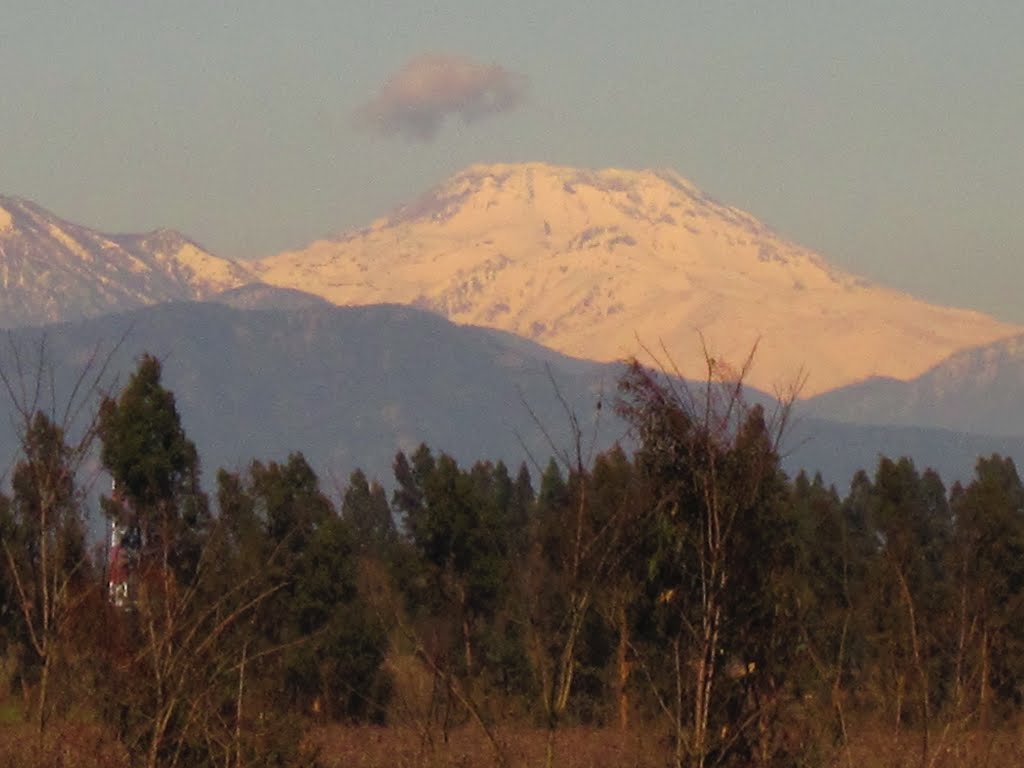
685 600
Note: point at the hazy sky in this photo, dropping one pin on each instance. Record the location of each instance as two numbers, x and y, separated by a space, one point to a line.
888 135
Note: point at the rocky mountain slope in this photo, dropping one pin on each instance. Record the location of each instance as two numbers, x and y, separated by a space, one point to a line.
979 389
52 270
594 263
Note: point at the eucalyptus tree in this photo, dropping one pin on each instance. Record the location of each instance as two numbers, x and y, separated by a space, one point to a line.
988 567
46 571
722 545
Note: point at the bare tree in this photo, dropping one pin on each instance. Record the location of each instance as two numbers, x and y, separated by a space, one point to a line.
55 435
193 639
575 553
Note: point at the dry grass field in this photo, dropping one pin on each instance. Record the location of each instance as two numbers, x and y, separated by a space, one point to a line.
345 747
367 747
66 745
85 745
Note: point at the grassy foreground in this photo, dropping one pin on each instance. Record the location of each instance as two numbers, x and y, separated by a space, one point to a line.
84 745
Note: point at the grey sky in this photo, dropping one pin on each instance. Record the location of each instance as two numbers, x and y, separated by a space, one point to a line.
888 135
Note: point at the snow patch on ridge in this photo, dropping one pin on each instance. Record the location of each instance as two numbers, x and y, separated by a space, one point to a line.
6 223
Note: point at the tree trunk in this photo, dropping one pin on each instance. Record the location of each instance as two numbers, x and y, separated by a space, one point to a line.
549 752
623 664
983 693
680 731
44 684
238 707
920 668
467 640
899 700
705 678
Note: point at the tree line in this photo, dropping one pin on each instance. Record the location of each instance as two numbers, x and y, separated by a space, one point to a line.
688 586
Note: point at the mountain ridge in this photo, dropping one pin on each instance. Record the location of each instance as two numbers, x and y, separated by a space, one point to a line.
55 270
349 386
977 389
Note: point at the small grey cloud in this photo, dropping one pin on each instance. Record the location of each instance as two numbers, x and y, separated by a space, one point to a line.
415 101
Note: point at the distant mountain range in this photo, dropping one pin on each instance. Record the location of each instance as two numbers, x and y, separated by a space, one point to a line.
554 261
346 386
594 264
351 386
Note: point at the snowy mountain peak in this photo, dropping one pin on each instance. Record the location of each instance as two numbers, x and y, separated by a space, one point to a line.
634 214
53 270
596 263
658 198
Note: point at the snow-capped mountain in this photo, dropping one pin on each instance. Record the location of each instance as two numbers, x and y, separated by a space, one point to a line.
52 270
598 264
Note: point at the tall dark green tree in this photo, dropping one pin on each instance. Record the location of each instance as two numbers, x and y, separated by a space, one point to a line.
411 477
459 528
829 571
912 525
460 534
989 572
365 509
155 468
325 650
